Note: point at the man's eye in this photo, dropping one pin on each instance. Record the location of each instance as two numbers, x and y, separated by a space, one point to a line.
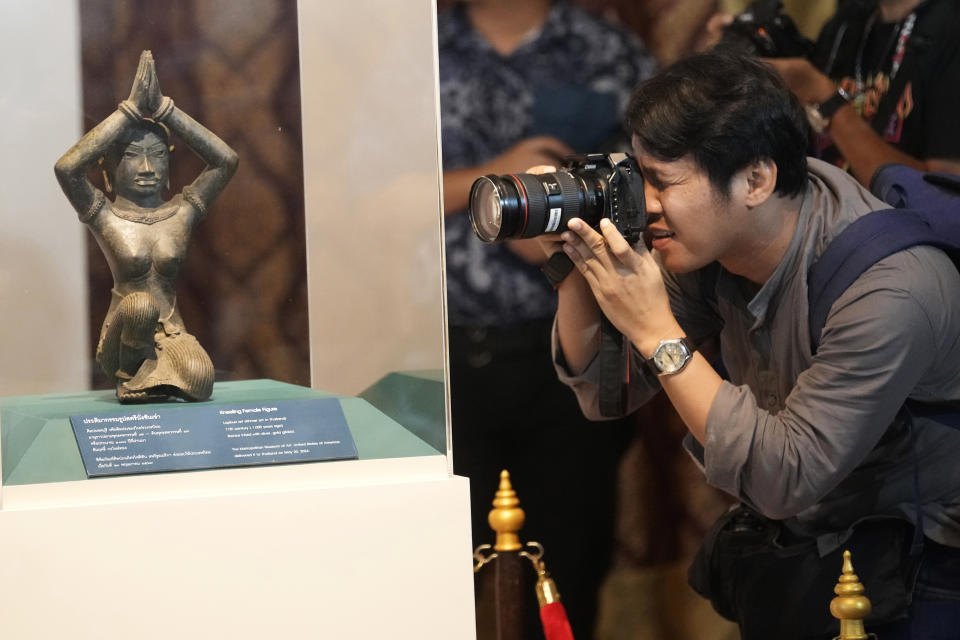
129 154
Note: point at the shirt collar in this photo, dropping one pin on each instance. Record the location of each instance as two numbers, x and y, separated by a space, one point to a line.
736 289
456 32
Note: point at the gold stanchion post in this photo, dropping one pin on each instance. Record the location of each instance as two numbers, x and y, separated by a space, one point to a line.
850 606
506 519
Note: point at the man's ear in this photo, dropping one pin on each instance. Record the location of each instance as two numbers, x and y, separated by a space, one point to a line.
761 176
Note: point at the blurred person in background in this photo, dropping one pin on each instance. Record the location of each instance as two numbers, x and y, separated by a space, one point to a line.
880 85
524 83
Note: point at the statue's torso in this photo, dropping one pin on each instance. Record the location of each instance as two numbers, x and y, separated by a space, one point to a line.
145 248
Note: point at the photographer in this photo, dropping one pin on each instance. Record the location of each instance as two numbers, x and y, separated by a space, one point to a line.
881 83
815 444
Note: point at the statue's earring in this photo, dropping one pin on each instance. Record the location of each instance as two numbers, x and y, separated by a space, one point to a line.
169 151
106 178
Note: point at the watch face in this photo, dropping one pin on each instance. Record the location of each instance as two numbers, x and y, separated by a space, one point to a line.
671 356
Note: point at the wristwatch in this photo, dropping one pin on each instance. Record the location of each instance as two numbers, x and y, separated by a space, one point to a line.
819 114
671 356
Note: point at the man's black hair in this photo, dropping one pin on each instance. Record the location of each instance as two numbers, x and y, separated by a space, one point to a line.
727 110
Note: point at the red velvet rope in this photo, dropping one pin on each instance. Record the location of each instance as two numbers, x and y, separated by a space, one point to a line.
555 625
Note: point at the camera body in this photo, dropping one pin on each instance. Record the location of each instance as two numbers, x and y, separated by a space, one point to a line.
591 187
764 30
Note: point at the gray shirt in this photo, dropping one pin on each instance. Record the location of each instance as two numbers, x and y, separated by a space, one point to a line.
815 439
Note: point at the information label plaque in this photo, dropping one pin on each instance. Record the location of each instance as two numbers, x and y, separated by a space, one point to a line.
205 436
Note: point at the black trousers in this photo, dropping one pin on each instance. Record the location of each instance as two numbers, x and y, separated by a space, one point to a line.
510 412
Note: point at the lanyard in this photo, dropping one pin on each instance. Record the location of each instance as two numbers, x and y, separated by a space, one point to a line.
902 43
906 29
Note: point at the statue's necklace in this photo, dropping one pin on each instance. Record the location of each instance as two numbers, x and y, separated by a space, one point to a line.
133 213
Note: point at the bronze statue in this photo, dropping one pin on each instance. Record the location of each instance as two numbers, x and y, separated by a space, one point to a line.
144 348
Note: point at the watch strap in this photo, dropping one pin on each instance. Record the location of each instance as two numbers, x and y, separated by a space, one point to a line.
819 114
829 106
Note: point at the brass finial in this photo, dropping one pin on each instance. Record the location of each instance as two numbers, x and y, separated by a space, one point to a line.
507 517
850 606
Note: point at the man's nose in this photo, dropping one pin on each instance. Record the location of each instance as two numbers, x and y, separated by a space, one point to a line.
652 201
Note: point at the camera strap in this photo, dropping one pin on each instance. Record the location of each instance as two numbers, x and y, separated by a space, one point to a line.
557 268
614 356
614 361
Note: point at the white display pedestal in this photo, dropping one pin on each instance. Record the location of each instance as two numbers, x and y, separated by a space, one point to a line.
356 549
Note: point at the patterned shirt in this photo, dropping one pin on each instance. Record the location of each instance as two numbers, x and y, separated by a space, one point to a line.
570 79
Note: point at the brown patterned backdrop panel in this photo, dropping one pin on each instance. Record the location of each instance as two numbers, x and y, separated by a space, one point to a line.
233 65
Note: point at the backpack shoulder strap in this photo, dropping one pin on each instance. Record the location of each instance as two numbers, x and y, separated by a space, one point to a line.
927 212
864 242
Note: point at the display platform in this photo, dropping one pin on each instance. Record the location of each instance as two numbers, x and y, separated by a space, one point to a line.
38 444
374 547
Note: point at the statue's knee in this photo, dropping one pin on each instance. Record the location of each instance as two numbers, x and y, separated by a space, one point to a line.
199 369
196 371
139 309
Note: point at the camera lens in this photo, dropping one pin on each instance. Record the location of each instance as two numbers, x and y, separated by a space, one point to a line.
486 210
525 205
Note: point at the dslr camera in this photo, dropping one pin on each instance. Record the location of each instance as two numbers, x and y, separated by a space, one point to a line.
764 30
591 187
